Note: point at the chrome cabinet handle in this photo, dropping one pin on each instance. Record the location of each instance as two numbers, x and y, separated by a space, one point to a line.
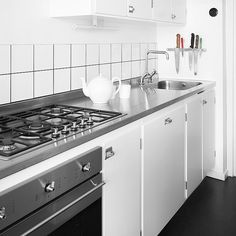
204 102
168 121
87 167
50 187
109 153
3 213
173 16
131 9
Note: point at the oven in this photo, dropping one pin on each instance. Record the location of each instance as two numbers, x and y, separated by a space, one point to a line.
65 200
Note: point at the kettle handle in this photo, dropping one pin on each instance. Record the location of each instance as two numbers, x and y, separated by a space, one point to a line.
118 89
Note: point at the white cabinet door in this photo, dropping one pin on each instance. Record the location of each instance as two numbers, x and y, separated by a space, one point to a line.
208 131
172 11
122 191
194 144
139 9
110 7
163 170
162 10
178 11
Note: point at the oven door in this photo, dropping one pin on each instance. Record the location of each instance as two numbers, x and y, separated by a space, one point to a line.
77 212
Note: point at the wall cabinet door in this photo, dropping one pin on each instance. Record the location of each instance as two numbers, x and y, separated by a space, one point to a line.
122 191
139 9
194 144
110 7
208 131
172 11
163 169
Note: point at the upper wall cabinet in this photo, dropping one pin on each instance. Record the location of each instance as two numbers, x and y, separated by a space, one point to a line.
172 11
139 9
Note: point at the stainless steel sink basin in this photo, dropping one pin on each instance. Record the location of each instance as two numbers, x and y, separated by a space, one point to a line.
176 85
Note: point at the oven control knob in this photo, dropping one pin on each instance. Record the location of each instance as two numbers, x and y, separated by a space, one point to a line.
87 167
50 187
2 213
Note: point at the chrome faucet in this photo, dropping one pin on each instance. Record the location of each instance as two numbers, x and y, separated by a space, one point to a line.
146 74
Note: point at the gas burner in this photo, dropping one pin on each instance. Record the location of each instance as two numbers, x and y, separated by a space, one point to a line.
30 136
55 121
7 145
36 125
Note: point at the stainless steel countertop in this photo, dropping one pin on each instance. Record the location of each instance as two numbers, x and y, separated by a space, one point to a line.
138 106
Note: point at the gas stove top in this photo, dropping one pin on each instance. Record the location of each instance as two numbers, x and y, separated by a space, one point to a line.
28 129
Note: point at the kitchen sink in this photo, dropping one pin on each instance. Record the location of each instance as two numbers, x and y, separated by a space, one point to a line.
173 85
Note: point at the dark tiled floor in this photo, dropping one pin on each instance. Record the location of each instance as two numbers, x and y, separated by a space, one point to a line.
210 211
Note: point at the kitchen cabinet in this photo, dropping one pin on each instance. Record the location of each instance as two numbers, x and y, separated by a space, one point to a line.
172 11
163 190
122 175
194 143
139 9
208 103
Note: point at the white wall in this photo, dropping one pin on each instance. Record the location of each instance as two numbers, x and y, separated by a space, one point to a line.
28 21
210 64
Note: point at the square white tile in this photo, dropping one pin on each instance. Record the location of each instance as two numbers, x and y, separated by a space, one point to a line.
61 80
142 67
92 54
22 58
126 70
78 55
43 57
126 52
92 71
4 59
105 53
76 74
105 70
151 65
116 52
5 89
116 70
22 86
61 56
136 69
144 48
43 83
136 51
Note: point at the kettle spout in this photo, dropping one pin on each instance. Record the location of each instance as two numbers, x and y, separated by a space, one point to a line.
84 87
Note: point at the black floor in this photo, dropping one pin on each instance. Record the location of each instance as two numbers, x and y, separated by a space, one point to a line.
210 210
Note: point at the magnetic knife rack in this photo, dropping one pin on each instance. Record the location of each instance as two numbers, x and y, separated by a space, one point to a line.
187 49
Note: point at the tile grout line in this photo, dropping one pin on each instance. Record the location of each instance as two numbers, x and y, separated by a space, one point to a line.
70 67
53 66
33 70
86 68
10 73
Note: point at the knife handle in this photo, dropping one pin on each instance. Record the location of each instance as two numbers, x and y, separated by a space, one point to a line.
197 42
200 43
182 42
192 40
178 40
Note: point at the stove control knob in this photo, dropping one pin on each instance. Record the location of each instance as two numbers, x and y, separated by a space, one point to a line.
55 133
74 126
86 167
50 187
65 130
2 213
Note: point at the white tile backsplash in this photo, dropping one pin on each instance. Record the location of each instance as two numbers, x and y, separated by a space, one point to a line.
76 74
61 80
43 83
92 54
22 58
22 86
5 89
4 59
28 71
116 53
43 57
78 55
61 56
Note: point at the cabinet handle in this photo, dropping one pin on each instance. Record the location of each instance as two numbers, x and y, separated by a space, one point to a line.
204 102
131 9
109 153
168 121
173 16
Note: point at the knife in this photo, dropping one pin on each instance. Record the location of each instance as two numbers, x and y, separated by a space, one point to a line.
182 46
200 47
177 53
191 51
196 51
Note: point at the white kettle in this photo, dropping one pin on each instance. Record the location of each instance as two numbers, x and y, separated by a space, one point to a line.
100 89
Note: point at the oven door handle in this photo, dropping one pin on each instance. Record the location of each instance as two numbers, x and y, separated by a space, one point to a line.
97 186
